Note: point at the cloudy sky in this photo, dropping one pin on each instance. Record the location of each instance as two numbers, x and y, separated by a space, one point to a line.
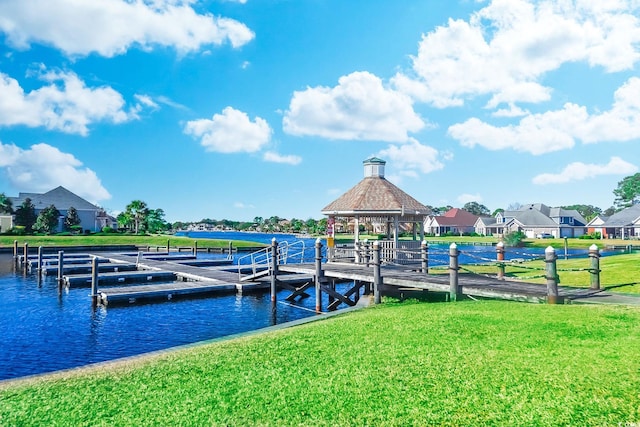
237 109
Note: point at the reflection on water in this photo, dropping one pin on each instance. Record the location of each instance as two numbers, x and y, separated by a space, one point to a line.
42 330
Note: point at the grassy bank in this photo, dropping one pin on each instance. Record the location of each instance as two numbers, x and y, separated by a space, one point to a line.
121 239
468 363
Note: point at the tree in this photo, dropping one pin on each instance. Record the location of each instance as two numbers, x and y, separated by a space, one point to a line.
476 208
497 211
26 215
154 221
515 206
587 211
137 211
47 220
71 219
124 220
628 192
6 206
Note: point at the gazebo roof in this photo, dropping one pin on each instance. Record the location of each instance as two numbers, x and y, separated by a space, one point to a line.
375 196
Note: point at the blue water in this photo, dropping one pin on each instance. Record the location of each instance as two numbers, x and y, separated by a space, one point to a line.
42 331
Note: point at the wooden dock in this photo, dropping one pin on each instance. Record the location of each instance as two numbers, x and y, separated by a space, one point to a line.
472 285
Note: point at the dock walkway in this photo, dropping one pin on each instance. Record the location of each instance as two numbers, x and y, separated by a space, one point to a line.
472 285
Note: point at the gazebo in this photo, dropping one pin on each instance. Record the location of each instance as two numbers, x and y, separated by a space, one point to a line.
376 202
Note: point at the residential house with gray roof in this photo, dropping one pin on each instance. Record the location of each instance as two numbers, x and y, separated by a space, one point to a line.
535 220
624 224
92 217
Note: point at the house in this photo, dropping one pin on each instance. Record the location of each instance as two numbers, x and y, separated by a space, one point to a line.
6 223
596 226
624 224
92 218
488 226
538 219
456 221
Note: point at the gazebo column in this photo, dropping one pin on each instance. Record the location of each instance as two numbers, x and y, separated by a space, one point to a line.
395 231
356 228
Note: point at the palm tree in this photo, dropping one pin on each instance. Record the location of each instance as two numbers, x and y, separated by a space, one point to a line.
138 211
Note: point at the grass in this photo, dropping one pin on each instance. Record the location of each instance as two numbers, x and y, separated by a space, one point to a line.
466 363
120 239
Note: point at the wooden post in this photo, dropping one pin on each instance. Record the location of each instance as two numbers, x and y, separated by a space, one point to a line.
566 248
424 252
319 275
230 256
168 246
94 281
25 259
274 268
60 268
195 248
40 260
377 276
15 249
551 273
454 287
367 253
500 259
594 254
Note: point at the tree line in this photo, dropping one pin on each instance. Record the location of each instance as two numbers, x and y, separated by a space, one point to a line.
138 217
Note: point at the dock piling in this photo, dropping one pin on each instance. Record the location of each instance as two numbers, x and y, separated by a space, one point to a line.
94 281
594 255
551 274
40 261
454 287
274 269
424 255
500 259
60 269
319 274
377 276
25 261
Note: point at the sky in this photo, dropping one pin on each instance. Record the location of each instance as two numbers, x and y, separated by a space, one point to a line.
236 109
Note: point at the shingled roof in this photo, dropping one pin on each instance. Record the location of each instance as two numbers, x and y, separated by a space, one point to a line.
375 195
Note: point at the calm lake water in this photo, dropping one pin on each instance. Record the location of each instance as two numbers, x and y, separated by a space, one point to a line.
42 331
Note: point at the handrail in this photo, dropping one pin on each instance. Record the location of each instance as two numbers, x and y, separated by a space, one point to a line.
261 260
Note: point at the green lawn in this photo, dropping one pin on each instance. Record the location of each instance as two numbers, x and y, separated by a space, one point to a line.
460 364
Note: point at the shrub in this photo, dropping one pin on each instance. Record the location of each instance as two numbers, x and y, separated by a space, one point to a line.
514 239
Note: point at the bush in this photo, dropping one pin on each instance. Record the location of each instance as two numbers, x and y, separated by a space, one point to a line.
514 239
108 230
18 230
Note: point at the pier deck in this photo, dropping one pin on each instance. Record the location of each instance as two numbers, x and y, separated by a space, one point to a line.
470 284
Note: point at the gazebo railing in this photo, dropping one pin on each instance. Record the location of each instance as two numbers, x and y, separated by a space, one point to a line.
405 253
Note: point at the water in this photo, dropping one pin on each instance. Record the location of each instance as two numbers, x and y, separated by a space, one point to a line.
42 331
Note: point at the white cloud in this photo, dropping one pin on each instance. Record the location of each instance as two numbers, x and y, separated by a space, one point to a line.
467 198
274 157
558 130
578 171
111 27
65 104
508 46
412 158
359 108
43 167
230 132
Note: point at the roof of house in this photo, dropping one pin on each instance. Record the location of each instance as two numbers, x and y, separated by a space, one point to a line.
60 197
625 217
375 195
531 216
458 217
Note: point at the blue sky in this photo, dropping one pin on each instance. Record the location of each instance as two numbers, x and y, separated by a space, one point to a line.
235 109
